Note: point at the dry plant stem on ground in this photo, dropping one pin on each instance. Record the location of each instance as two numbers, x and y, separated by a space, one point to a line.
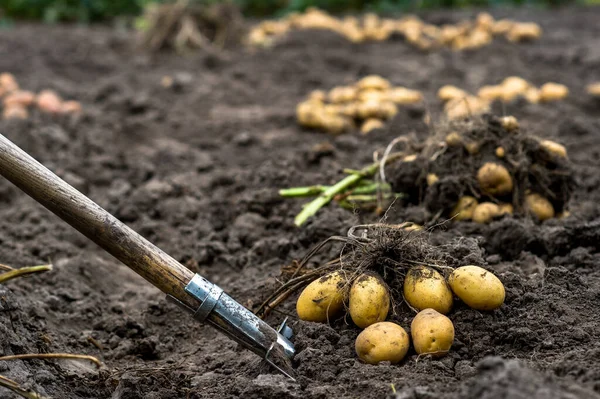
53 356
16 388
14 273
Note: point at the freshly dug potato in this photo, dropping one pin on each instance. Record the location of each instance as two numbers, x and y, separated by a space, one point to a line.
491 93
382 342
317 95
432 178
369 300
553 92
20 97
373 82
371 124
376 109
485 21
448 92
532 95
337 124
453 139
485 212
463 107
402 95
478 288
48 101
502 26
15 112
500 153
463 210
509 123
539 206
342 94
554 148
71 107
514 87
506 209
322 299
8 82
432 333
494 179
521 32
426 288
593 89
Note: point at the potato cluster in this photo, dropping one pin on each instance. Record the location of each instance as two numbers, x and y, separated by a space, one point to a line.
17 102
368 299
369 102
461 36
460 104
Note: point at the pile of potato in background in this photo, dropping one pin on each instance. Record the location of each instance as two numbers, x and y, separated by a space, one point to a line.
369 102
484 168
368 299
461 36
460 104
17 102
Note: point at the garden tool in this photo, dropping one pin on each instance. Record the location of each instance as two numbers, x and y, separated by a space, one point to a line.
205 300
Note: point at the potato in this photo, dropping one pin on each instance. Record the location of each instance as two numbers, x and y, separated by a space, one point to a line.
463 210
494 179
426 288
593 89
373 82
432 333
373 95
369 300
485 212
500 153
342 94
376 109
453 139
15 112
514 86
506 209
485 21
8 82
448 92
539 206
402 95
432 178
491 93
371 124
71 107
317 95
382 342
509 123
337 124
48 101
553 92
478 288
502 26
20 97
521 32
532 95
554 148
464 107
322 299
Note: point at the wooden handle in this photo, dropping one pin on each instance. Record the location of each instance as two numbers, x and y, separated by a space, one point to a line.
95 223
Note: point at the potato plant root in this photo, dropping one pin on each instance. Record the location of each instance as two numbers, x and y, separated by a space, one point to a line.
196 168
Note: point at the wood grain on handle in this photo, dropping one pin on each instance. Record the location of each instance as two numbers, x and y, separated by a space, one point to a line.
94 222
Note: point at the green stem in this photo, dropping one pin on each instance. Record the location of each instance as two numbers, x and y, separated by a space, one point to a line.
4 277
296 192
345 184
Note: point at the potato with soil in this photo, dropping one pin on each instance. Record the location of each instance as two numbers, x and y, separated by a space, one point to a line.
323 299
382 342
539 206
369 300
432 333
426 288
478 288
463 210
494 179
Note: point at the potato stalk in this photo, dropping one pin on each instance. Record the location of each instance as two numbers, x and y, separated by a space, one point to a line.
4 277
16 388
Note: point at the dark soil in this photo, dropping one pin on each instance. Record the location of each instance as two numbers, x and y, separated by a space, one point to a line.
196 168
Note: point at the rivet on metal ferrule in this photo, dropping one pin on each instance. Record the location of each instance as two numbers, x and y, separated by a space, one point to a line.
206 292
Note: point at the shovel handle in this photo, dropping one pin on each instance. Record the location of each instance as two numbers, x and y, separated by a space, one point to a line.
95 223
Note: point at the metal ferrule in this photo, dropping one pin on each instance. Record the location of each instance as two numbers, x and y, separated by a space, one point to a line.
240 324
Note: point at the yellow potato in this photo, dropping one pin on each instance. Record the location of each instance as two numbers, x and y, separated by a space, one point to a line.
472 147
317 95
453 139
369 300
8 82
402 95
485 212
532 95
500 152
432 333
485 21
494 179
520 32
322 299
48 101
373 82
514 86
509 123
342 94
502 26
506 209
371 124
478 288
426 288
382 342
491 93
593 89
539 206
448 92
554 148
463 210
432 178
553 92
464 107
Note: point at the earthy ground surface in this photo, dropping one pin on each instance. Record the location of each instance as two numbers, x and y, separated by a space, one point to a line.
196 170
